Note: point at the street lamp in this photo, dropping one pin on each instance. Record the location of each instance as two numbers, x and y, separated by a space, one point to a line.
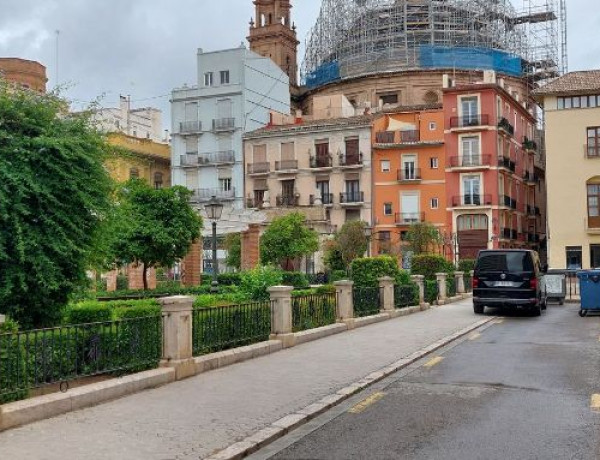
368 234
213 209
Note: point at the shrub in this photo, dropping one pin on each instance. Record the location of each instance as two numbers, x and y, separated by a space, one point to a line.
367 271
229 279
338 275
9 326
219 300
466 265
325 289
431 291
296 279
255 282
430 264
122 282
87 312
137 311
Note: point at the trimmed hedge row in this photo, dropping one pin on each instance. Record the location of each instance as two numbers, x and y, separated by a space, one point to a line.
430 264
367 271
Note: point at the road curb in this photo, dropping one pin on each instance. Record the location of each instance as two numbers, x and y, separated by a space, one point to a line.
292 421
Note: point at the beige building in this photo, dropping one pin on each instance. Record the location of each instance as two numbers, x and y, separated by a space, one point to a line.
572 107
320 167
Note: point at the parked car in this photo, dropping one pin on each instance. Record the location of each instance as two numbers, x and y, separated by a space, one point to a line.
510 278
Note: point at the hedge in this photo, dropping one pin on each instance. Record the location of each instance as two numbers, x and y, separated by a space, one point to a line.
296 279
431 291
466 265
430 264
367 271
93 311
219 300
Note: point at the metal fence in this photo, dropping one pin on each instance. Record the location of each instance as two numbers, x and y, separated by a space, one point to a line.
312 311
405 296
367 301
42 357
221 328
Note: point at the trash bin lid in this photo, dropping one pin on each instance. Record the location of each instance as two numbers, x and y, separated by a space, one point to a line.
593 274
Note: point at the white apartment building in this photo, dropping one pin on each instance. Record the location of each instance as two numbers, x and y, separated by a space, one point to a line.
235 93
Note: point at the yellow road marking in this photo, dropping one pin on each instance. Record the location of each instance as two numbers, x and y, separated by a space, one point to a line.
362 406
595 403
433 362
474 336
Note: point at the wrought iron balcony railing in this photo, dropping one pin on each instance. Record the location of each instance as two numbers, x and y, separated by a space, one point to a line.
470 121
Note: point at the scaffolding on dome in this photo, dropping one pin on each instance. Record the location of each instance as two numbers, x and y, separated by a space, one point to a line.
353 38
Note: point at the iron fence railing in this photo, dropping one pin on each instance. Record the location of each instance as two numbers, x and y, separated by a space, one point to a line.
405 295
221 328
59 355
312 311
367 301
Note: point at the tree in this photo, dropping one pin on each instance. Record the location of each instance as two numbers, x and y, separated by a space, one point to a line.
54 193
332 255
286 240
233 245
423 238
152 227
352 241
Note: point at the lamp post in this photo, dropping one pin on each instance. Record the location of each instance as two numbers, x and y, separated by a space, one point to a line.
214 208
368 234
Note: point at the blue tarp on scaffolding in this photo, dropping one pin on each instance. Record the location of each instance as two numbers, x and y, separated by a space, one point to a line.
470 58
326 73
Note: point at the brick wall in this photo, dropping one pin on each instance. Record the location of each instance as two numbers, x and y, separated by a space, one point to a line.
135 277
251 247
191 266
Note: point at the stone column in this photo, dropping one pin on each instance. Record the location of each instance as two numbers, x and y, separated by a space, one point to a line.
111 281
177 335
386 286
441 280
345 303
281 315
460 282
420 281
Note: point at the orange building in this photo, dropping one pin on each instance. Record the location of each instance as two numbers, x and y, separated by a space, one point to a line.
408 174
24 74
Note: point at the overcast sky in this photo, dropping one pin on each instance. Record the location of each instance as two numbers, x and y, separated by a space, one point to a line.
144 48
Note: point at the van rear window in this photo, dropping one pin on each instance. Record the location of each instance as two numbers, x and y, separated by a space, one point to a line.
505 262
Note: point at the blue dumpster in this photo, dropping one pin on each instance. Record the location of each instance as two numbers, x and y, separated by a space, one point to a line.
589 288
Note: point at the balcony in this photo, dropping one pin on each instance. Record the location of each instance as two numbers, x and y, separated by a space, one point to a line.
471 162
506 233
286 165
217 158
205 194
326 199
352 198
408 218
469 121
189 160
514 234
287 201
259 168
224 124
510 202
504 162
321 161
471 200
190 127
528 144
533 211
409 175
506 126
351 161
592 150
398 137
533 238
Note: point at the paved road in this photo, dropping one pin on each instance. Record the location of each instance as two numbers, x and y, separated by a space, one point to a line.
191 419
519 390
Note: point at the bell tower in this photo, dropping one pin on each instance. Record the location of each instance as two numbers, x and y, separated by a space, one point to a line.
273 35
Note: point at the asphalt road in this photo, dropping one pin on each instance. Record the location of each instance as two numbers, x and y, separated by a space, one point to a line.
521 388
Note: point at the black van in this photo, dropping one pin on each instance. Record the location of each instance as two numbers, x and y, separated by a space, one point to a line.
508 278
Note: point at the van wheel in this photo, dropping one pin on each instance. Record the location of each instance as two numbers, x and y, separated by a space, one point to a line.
478 309
537 311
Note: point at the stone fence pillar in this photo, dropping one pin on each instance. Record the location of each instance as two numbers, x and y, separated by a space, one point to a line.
281 315
441 281
419 280
386 286
177 335
345 302
460 282
2 319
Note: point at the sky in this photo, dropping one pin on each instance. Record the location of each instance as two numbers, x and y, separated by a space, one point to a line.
145 48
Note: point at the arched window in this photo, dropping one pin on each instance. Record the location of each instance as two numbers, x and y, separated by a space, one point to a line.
134 173
593 202
158 180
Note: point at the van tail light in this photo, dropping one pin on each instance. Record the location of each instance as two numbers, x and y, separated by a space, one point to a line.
475 282
533 283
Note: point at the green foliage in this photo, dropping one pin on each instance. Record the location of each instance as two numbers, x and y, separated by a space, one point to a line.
312 311
338 275
325 289
122 282
466 265
151 227
9 326
422 237
296 279
286 240
332 256
352 242
255 282
431 291
87 312
229 279
55 192
450 286
233 245
367 271
163 291
430 264
219 300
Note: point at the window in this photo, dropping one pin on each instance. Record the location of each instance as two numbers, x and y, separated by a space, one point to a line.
573 257
578 102
471 190
158 180
134 173
385 240
593 142
434 163
470 110
353 194
352 151
409 167
593 204
208 79
388 98
435 203
224 77
472 222
225 185
470 150
385 166
352 215
595 255
322 159
387 209
323 188
432 126
410 207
